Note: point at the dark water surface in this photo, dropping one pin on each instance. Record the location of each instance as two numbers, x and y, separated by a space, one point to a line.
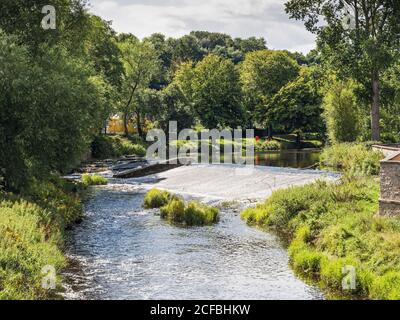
288 158
121 251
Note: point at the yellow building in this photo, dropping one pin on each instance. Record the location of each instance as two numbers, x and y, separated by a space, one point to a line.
116 126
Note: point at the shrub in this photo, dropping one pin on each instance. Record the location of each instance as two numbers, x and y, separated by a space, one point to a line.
174 209
342 113
93 180
59 198
156 199
199 214
352 158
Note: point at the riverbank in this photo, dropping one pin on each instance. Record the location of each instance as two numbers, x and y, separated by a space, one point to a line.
333 229
33 226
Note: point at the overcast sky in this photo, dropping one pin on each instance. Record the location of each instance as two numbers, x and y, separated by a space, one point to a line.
239 18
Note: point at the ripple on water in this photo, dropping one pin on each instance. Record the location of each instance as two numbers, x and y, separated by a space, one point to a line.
121 251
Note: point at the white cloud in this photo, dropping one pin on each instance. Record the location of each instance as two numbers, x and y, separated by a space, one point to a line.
239 18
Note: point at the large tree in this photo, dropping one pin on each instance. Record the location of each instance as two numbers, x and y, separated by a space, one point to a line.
297 106
359 37
263 73
49 109
141 63
216 93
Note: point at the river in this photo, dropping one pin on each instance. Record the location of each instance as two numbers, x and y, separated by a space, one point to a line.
121 251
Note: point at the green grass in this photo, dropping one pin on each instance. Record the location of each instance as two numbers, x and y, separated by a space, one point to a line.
354 159
31 228
156 199
93 180
176 211
116 146
333 225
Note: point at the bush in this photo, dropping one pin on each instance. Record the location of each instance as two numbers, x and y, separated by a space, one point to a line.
156 199
174 209
198 214
116 146
93 180
342 113
353 158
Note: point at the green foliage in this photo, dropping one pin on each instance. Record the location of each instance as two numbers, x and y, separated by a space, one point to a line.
31 228
296 106
363 51
104 147
263 73
352 158
38 113
93 180
175 210
342 114
141 64
267 145
216 93
198 214
333 225
156 199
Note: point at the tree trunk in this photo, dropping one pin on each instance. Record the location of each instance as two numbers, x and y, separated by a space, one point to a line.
126 124
375 107
139 125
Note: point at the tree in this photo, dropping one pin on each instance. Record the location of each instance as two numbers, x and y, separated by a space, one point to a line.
263 73
364 49
102 49
50 107
141 63
296 107
216 93
22 18
341 111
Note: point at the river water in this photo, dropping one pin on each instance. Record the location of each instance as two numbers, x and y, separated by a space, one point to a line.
122 251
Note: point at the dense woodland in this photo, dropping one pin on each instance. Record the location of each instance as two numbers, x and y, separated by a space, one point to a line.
59 87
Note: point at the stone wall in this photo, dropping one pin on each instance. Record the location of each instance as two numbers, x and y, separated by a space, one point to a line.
389 204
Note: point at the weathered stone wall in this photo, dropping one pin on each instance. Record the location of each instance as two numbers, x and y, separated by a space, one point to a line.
389 204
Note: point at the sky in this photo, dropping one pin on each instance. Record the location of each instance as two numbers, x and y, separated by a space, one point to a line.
238 18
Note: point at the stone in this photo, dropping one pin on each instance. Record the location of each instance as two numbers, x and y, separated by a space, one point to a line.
389 204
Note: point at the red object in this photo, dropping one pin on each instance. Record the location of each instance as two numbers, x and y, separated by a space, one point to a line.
257 138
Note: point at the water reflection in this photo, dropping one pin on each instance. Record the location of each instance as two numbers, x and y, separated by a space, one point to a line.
288 158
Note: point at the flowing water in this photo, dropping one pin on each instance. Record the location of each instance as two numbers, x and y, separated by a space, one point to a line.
122 251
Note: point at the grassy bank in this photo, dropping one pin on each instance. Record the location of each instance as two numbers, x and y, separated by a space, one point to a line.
176 211
333 225
32 227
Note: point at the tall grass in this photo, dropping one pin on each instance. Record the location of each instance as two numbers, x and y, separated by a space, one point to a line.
175 210
353 159
31 229
334 225
93 180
